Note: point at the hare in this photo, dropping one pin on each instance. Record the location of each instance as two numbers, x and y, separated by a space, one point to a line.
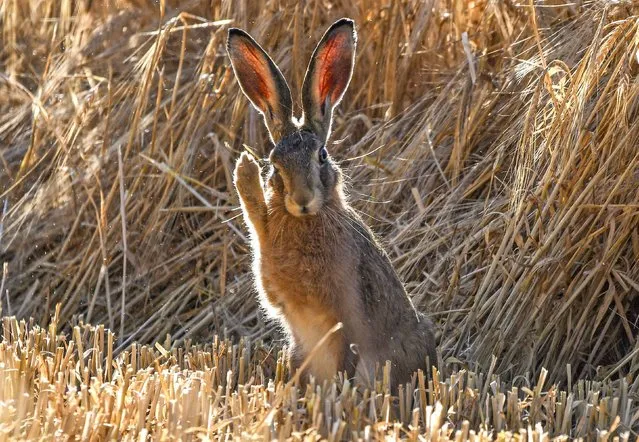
316 263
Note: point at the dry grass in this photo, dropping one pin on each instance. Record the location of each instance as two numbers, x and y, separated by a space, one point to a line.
72 388
494 150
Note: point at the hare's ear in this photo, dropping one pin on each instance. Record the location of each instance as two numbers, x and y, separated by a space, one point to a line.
262 83
328 75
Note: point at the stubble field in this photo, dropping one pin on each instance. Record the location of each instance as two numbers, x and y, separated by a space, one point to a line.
493 146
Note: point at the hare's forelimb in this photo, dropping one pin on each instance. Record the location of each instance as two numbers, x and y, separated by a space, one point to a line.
248 182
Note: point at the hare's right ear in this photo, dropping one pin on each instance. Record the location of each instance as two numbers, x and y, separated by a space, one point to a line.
328 75
262 83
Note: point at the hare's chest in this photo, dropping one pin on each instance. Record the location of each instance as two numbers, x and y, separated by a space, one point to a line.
295 271
300 263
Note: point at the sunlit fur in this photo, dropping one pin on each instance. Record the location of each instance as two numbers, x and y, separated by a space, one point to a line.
316 270
315 261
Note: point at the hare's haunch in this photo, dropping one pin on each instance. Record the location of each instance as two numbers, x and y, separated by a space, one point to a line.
315 261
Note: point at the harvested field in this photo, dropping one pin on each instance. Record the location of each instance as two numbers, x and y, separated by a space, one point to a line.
491 145
225 390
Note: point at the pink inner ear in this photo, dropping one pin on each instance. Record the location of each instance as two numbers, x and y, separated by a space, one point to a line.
255 70
334 65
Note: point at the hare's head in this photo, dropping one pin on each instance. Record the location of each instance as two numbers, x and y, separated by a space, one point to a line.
302 173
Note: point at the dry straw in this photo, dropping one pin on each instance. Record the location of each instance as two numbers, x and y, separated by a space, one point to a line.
71 387
493 145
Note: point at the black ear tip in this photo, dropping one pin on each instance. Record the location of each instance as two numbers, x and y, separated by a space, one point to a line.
236 32
345 21
344 24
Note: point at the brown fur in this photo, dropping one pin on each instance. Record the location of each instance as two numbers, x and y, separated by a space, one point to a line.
316 262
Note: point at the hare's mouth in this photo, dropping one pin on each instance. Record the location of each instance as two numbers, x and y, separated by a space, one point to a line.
303 208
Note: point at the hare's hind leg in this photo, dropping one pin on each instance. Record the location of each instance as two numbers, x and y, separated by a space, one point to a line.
365 373
296 360
248 182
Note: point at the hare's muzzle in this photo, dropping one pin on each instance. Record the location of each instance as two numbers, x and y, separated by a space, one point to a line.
302 203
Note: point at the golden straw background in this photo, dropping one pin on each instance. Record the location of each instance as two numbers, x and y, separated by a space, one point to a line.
493 146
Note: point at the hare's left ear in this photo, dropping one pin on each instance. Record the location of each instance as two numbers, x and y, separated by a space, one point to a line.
328 75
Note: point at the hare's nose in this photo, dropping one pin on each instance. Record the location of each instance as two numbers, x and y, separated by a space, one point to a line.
302 204
305 209
303 201
302 197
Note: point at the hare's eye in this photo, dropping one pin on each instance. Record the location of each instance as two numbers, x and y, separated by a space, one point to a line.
323 155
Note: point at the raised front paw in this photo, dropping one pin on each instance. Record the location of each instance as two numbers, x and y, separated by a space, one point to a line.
247 177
